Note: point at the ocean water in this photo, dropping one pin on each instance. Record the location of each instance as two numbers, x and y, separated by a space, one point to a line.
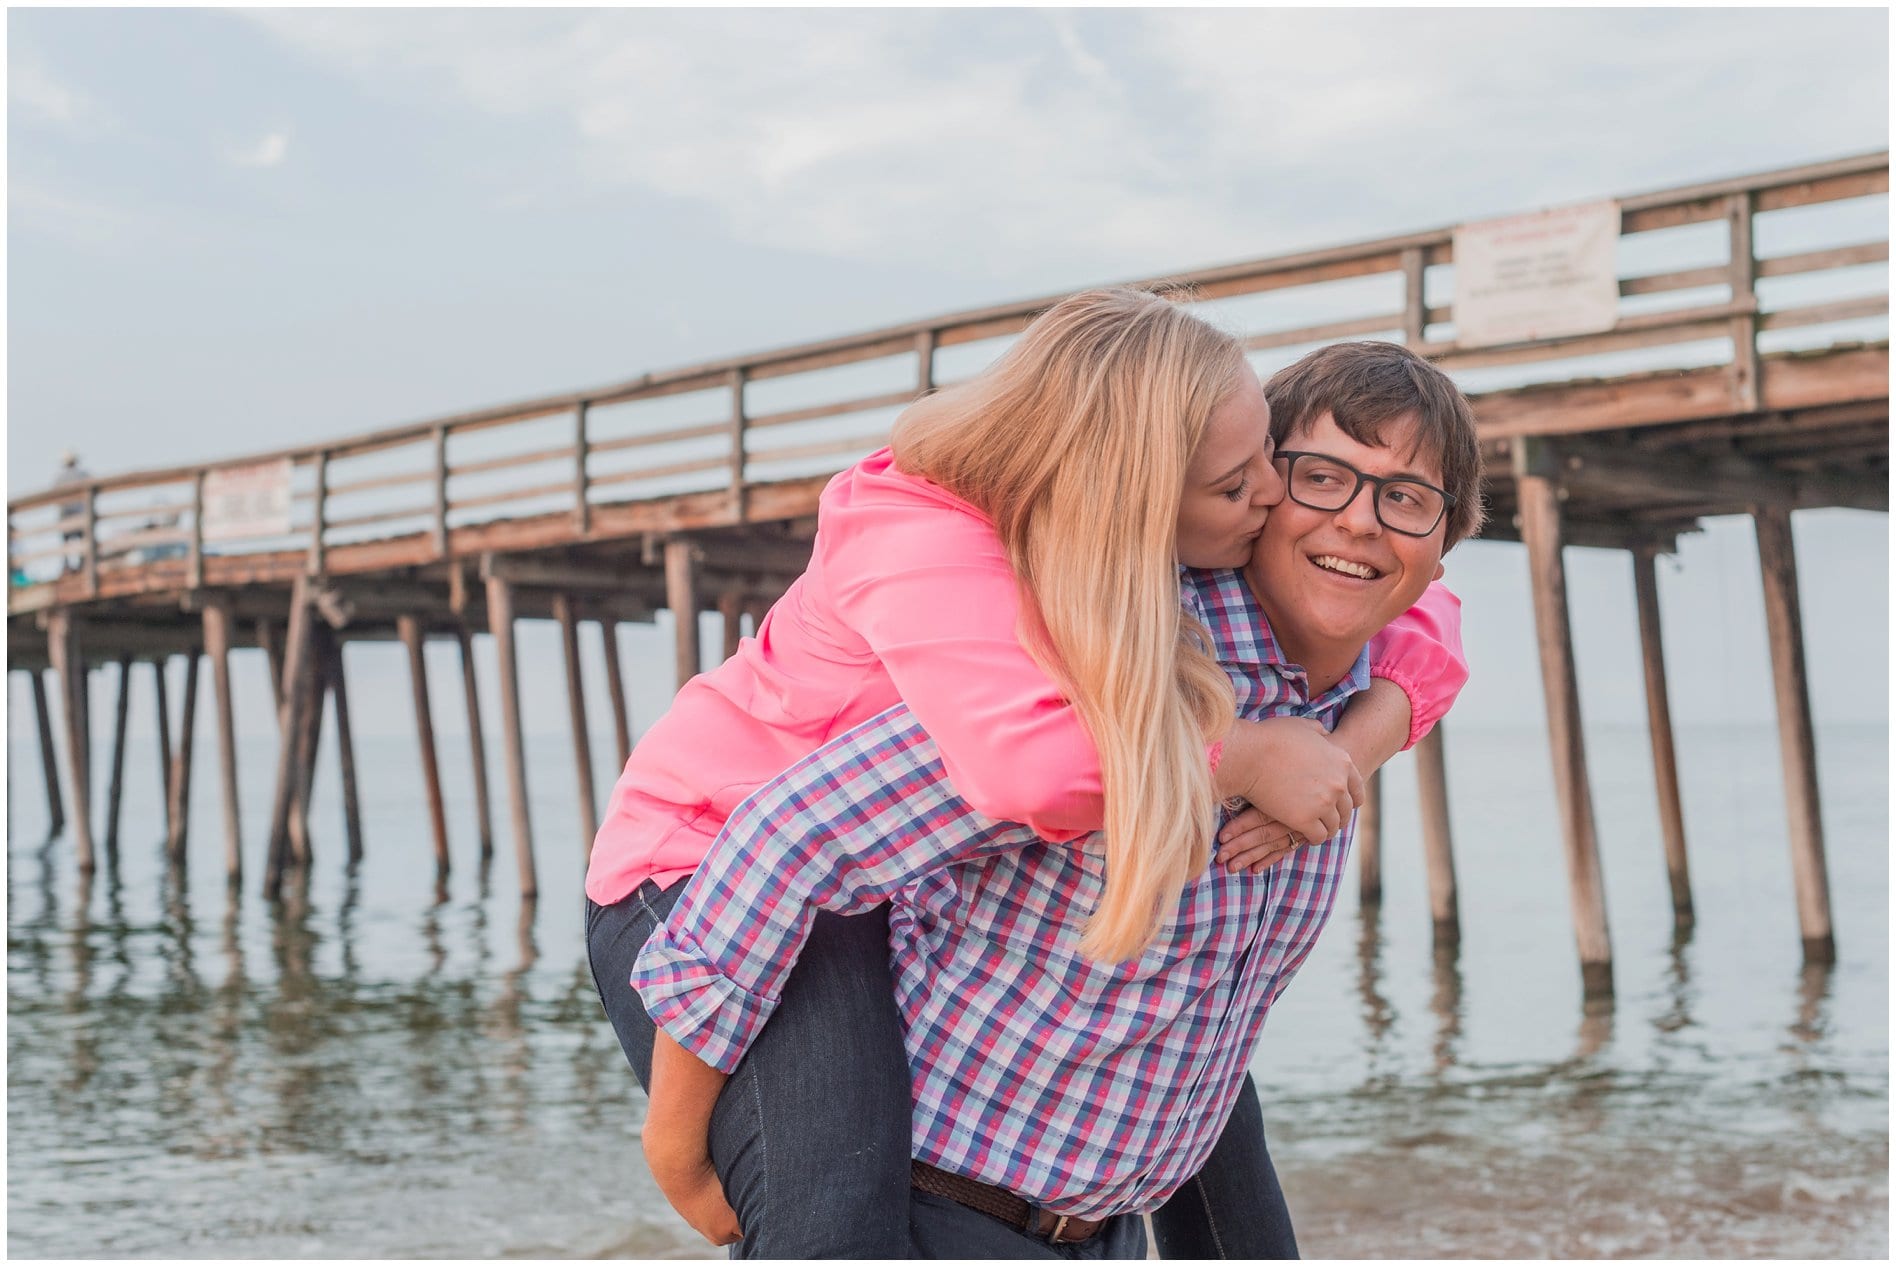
381 1068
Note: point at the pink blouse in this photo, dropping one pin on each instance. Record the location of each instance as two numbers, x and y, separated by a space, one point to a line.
908 597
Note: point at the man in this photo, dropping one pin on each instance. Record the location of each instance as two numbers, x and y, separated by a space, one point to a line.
1056 1098
70 472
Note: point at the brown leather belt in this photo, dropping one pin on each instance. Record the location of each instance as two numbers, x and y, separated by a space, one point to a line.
999 1203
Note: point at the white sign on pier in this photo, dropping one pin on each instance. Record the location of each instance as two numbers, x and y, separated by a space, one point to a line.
247 501
1537 276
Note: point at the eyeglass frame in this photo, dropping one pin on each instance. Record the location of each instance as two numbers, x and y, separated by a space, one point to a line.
1289 458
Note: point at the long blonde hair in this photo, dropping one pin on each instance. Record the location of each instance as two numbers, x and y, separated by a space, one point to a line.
1076 444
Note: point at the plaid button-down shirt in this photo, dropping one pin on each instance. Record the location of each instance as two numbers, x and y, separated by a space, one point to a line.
1089 1089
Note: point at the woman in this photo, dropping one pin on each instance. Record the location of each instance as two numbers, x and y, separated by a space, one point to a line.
1119 438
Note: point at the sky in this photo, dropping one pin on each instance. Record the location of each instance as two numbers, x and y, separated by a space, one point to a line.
232 231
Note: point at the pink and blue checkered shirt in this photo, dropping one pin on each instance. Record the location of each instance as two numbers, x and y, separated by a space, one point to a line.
1089 1089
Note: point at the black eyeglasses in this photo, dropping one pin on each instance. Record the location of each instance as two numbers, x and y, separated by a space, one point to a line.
1403 505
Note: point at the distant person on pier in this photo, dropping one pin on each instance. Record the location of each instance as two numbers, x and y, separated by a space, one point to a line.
1051 499
1075 1057
70 472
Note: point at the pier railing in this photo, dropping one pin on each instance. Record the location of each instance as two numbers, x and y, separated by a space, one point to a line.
1713 274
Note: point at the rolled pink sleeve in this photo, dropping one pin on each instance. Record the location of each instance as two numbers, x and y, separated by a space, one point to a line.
1421 652
932 594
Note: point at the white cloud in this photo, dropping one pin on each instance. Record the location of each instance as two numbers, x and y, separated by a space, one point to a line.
875 134
269 152
1017 142
33 88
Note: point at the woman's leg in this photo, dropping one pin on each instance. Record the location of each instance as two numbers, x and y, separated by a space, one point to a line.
1234 1207
811 1135
614 936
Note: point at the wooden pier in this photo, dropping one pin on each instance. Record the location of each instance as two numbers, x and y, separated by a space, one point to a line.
695 489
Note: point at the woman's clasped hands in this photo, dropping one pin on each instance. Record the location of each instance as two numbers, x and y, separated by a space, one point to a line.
1312 788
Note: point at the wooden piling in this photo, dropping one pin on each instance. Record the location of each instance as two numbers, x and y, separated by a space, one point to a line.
289 718
615 689
345 745
300 738
483 812
115 784
1431 776
1368 845
409 628
1665 767
500 622
217 630
681 595
62 639
1541 532
85 714
314 682
563 611
49 763
180 798
1783 620
161 703
731 609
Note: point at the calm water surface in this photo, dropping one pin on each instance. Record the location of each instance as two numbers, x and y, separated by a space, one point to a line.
380 1070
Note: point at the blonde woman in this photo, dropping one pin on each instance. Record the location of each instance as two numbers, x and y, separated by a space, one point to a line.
1009 571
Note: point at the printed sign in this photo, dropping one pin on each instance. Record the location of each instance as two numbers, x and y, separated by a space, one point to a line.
247 501
1537 276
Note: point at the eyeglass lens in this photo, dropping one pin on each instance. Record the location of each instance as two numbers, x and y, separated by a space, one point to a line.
1325 484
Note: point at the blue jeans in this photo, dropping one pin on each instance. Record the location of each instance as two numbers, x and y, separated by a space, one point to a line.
1234 1206
811 1136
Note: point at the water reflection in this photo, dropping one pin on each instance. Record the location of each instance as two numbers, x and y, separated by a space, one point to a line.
1445 1001
82 1060
221 1132
177 935
1676 1016
1813 998
1379 1017
35 933
117 930
48 915
346 915
504 1023
431 938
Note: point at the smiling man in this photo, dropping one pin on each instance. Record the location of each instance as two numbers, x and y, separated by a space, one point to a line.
1382 475
1057 1097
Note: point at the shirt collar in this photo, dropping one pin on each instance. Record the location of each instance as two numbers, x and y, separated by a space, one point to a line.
1241 633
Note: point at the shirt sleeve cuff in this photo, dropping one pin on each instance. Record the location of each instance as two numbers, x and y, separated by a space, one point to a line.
1421 720
1421 653
706 1012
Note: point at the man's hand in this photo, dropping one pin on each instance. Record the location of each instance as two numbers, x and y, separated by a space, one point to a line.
1253 840
678 1139
1289 768
688 1180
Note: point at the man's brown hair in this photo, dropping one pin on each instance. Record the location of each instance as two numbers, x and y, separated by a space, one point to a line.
1366 386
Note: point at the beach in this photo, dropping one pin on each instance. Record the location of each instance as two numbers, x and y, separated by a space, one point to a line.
375 1074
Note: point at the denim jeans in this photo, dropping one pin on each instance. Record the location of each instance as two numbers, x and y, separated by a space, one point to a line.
1233 1207
811 1136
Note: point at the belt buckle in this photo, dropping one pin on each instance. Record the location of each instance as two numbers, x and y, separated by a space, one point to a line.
1059 1226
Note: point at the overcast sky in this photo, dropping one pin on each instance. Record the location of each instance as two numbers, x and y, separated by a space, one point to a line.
232 231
